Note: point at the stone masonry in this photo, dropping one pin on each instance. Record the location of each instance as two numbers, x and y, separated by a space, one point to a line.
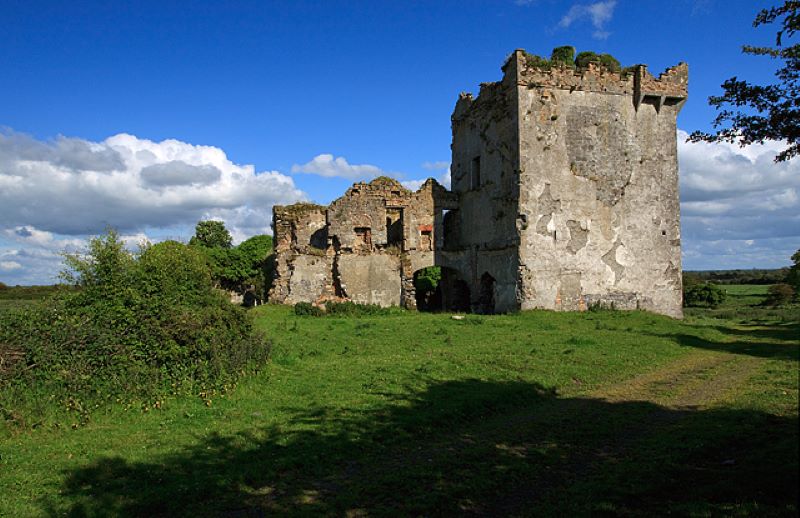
363 247
564 195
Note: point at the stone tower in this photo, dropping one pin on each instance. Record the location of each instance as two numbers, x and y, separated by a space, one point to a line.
567 186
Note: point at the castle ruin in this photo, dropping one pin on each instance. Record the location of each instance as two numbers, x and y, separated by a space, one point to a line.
564 195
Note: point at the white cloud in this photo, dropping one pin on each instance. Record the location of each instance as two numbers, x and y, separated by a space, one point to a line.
78 187
739 208
599 13
412 185
54 194
9 265
337 167
436 166
443 179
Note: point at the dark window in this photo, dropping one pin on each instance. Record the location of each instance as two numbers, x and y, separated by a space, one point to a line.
363 237
426 241
394 226
476 172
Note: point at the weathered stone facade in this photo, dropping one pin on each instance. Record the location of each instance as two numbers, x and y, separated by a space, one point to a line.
364 247
564 195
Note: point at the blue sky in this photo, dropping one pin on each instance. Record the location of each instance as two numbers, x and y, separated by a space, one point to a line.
148 116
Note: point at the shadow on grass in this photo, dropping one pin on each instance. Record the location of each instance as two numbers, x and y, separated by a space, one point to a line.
776 341
789 333
464 447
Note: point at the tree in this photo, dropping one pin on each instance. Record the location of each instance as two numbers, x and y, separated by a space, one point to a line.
779 294
793 277
769 112
211 234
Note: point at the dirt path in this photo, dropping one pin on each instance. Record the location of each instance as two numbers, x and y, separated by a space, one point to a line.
697 380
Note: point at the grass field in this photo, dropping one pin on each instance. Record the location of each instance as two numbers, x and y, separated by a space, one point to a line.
536 413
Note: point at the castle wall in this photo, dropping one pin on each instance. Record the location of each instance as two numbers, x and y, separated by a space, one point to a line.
484 177
364 247
599 192
371 279
299 235
564 195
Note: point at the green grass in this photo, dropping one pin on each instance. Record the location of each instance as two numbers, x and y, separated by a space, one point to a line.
537 413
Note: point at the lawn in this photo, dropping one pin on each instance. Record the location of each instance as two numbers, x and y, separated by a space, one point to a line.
536 413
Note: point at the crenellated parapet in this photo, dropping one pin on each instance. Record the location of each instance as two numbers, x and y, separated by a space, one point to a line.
528 71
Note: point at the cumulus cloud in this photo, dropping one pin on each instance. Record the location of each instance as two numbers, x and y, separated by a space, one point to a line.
337 167
598 13
9 265
78 187
177 172
738 207
53 194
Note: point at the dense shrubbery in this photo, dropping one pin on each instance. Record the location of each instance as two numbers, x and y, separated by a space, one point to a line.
139 327
235 268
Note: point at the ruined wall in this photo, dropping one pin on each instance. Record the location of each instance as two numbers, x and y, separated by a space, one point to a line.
301 264
564 194
480 237
599 188
364 247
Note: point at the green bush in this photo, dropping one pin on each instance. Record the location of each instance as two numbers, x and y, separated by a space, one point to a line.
352 309
779 294
251 263
534 61
563 56
608 61
342 309
307 309
703 295
139 327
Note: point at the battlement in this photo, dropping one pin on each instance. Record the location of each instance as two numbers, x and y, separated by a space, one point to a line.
524 70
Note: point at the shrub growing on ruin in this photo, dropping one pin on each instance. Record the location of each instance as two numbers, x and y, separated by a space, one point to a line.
139 327
608 61
563 56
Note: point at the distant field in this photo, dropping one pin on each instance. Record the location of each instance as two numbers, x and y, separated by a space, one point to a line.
418 414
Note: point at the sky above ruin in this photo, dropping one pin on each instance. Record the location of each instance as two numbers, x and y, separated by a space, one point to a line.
149 116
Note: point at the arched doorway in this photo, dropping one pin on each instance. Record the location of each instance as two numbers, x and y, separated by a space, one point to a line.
486 297
455 292
427 288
